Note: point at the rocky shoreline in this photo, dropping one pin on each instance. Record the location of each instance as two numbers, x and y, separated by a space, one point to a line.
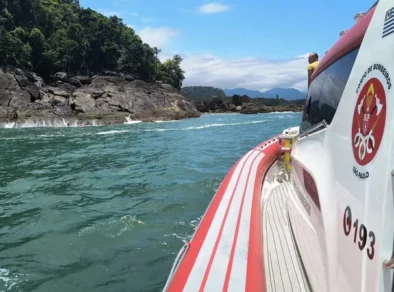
25 99
109 98
247 106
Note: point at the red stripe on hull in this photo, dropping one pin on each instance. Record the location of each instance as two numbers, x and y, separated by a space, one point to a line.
255 275
204 281
230 264
186 266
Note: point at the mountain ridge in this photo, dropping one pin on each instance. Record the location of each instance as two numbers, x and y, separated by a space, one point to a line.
285 93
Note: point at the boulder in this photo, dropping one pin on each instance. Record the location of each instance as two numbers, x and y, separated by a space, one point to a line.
82 102
59 100
75 82
83 79
129 78
110 73
11 94
62 76
28 86
58 91
254 108
201 107
67 87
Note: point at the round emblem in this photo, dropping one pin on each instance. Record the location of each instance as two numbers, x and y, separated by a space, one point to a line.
369 119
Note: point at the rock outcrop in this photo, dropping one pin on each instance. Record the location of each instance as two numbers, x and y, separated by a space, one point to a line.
243 105
216 105
255 108
81 99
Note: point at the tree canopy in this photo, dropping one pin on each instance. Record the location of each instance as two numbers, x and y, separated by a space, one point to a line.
47 36
203 92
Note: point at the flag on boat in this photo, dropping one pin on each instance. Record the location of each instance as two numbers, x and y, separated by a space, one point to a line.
388 27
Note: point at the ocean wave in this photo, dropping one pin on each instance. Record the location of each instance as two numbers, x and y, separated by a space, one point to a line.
48 136
284 112
129 121
206 126
111 132
9 280
113 228
172 121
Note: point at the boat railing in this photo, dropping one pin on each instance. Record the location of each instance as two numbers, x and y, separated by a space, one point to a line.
176 263
316 128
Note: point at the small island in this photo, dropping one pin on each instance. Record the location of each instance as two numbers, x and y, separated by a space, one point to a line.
214 100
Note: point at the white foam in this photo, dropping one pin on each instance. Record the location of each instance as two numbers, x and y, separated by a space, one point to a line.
172 121
113 228
9 125
50 123
111 132
206 126
129 121
8 280
55 135
224 125
284 112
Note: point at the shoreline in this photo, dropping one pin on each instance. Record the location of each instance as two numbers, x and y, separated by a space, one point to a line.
127 120
26 101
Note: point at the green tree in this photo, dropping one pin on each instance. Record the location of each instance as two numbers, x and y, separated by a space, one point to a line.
52 35
171 72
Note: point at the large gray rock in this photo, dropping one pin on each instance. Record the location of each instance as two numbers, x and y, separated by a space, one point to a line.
108 98
67 87
28 86
58 91
82 102
62 76
75 82
11 94
59 100
83 79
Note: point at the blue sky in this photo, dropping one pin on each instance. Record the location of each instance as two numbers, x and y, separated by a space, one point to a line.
257 44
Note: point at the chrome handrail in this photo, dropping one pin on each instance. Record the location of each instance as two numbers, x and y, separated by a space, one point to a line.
320 126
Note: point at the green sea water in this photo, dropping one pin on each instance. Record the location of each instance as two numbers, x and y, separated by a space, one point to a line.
108 208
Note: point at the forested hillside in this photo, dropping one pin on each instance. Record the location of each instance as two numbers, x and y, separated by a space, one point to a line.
47 36
199 93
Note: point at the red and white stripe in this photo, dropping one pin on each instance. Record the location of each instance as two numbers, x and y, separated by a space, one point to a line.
225 253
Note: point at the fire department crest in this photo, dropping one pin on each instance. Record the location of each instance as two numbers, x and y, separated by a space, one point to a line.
369 119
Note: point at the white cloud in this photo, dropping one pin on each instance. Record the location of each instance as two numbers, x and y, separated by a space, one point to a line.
213 7
134 14
250 73
146 19
159 36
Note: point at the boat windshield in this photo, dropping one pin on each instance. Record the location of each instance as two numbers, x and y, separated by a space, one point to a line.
326 91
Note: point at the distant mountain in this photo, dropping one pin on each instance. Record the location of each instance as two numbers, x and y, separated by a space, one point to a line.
243 91
202 92
285 93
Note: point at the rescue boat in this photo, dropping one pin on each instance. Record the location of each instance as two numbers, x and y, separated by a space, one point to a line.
311 209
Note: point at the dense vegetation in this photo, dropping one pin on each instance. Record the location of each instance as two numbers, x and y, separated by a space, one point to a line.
206 93
47 36
200 93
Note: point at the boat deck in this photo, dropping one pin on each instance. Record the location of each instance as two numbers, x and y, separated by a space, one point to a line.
283 267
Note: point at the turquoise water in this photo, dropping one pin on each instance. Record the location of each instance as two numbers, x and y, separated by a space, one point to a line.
108 208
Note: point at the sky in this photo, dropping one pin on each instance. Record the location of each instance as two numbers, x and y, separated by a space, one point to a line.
255 44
